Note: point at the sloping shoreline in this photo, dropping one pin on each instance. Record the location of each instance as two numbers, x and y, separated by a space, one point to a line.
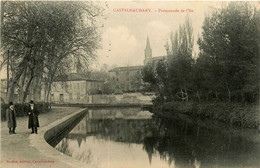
25 150
53 133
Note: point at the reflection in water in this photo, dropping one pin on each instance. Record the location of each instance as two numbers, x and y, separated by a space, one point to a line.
126 137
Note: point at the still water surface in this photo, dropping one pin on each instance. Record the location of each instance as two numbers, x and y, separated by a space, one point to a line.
131 138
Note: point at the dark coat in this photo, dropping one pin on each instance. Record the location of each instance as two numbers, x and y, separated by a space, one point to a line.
33 117
11 118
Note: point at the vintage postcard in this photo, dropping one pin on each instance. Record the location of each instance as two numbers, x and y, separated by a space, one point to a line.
130 84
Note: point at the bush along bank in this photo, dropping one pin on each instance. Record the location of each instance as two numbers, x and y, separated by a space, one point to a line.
21 109
246 116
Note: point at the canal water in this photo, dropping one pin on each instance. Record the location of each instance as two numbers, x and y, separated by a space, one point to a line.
131 138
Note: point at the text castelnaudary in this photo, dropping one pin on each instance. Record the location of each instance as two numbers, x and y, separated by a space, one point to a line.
131 10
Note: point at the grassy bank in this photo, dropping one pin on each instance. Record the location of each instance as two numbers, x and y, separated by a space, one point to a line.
247 116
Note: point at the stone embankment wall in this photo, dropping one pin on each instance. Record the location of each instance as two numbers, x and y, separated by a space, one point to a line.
55 134
134 98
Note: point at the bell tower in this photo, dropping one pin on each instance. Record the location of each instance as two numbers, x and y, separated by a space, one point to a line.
147 51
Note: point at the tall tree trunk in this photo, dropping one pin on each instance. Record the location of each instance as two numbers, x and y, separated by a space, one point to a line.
51 75
229 142
7 72
17 76
187 96
48 89
37 88
2 11
198 131
229 94
242 96
186 129
13 85
45 91
48 92
182 99
11 63
28 86
21 92
198 96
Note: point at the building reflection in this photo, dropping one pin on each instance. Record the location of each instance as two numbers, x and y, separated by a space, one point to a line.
107 126
177 142
189 145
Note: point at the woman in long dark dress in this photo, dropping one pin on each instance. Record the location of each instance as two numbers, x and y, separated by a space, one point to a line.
33 121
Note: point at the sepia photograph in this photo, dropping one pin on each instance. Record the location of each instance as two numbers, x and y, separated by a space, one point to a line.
130 84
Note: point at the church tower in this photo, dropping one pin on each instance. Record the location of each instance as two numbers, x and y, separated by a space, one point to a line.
147 52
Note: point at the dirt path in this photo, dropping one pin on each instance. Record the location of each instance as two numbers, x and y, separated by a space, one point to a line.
16 150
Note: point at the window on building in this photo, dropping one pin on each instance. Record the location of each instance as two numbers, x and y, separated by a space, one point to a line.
52 97
78 96
61 98
70 96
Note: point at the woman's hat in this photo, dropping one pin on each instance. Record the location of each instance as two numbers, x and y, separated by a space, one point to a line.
31 102
11 103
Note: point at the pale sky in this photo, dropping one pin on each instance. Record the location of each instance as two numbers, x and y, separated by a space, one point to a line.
127 31
124 33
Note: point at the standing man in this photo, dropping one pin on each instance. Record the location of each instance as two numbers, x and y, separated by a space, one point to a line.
11 118
33 121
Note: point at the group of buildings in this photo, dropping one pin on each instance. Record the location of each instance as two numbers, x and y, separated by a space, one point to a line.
129 78
76 88
79 86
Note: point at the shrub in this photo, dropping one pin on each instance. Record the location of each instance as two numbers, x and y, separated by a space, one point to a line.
232 113
21 109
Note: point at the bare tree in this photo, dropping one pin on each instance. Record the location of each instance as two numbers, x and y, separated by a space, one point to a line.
42 35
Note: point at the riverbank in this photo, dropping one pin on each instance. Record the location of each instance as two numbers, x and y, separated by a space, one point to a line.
17 150
246 116
110 99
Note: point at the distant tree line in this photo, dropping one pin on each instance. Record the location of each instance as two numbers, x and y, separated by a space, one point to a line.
227 66
40 40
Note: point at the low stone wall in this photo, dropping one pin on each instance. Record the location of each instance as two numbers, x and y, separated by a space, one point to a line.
131 98
54 135
55 132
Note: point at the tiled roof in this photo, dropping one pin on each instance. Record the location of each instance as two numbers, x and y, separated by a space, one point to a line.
127 68
157 58
77 77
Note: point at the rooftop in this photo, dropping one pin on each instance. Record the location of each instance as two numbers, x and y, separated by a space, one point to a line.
127 68
158 57
77 77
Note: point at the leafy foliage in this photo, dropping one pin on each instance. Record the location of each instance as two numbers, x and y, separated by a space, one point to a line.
230 47
227 67
43 39
21 109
